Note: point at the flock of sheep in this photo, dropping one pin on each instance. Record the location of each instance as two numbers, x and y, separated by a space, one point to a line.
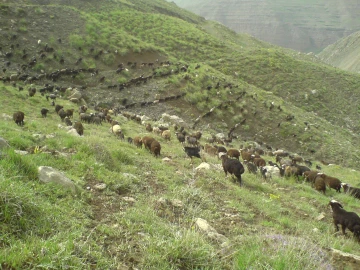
286 164
230 158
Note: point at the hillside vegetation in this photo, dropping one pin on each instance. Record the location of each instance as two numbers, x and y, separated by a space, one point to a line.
131 210
307 26
343 54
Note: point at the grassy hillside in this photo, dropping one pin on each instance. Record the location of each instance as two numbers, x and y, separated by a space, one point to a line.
145 215
343 53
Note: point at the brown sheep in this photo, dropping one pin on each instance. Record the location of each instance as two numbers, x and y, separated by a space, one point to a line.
259 162
310 176
289 170
197 135
331 182
138 142
246 156
211 150
320 184
69 113
166 134
295 159
148 127
58 108
147 140
155 148
234 153
79 128
19 118
295 170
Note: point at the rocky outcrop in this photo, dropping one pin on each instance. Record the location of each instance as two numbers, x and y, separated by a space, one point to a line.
49 174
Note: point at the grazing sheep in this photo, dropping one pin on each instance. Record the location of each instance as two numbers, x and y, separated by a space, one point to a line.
79 128
157 130
308 162
269 171
192 140
192 152
147 140
234 153
44 112
331 182
197 135
295 170
84 117
62 114
82 109
319 184
310 176
32 91
347 220
19 118
252 168
286 162
130 140
116 129
180 137
58 108
166 134
148 127
96 120
259 162
138 142
280 153
245 155
68 121
232 166
295 159
352 191
220 149
69 113
155 148
211 150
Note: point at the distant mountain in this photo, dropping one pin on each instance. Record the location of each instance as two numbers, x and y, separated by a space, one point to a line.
345 53
300 25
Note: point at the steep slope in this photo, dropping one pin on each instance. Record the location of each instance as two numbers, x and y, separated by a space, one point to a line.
344 53
300 25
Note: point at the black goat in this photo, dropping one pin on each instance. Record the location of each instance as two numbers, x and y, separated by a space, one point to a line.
347 220
192 152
